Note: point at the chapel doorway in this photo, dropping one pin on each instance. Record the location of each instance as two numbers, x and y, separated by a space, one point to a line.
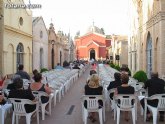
92 54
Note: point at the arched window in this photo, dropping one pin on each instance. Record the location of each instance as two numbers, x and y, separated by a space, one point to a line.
60 58
20 53
41 58
157 55
135 56
149 55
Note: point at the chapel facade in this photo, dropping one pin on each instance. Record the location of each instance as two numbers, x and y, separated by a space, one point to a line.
93 45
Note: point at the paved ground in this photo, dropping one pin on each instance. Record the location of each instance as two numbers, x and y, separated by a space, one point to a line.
68 111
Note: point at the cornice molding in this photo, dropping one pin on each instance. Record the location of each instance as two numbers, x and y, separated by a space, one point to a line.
17 31
155 19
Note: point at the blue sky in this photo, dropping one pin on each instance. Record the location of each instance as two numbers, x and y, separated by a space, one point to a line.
75 15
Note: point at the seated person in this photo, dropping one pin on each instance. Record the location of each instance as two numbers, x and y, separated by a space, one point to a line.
90 73
155 85
58 66
76 66
35 71
125 69
125 89
114 84
11 85
93 88
2 82
94 66
66 65
38 86
2 100
19 92
22 73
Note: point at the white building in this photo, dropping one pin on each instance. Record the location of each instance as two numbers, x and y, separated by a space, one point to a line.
15 38
40 44
119 50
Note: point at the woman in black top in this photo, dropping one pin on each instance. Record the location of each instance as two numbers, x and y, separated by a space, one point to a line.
38 86
93 88
125 89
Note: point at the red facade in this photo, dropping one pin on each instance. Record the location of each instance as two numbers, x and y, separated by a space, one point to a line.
92 46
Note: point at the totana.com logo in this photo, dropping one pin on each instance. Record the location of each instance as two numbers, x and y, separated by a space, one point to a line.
23 6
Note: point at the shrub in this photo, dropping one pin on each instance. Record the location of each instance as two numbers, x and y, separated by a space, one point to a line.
43 70
112 65
141 76
129 72
117 67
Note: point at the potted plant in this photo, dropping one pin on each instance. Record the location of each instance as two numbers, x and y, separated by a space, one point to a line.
141 76
117 67
43 70
112 65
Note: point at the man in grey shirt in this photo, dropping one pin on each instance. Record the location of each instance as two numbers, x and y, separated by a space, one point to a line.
22 73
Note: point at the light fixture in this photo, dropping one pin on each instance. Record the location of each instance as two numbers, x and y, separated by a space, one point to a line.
52 42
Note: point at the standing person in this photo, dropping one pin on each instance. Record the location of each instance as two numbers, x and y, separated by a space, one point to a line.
125 89
155 85
22 73
93 88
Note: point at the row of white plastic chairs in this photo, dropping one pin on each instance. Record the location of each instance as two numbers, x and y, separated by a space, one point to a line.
106 74
127 103
59 80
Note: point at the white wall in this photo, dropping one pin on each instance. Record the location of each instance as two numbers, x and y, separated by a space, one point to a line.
39 43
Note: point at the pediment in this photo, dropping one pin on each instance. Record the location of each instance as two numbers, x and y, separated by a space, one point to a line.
92 42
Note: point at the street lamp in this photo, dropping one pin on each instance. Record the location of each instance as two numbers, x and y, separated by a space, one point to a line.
52 53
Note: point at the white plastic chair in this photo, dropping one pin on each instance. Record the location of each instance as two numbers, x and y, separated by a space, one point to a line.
19 109
38 95
112 100
141 94
3 110
125 105
55 96
26 83
154 110
93 106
